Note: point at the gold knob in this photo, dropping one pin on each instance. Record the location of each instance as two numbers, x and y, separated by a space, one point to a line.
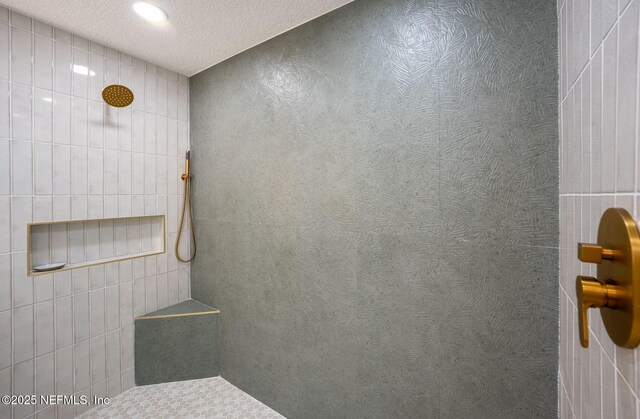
593 293
593 253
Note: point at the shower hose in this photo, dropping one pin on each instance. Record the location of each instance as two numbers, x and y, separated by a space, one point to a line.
186 202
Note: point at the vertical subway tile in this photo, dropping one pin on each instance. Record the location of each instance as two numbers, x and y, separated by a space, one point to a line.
81 317
79 169
6 387
64 322
80 42
150 92
139 298
124 173
80 73
96 277
126 346
63 283
98 359
64 370
113 353
23 334
79 206
63 36
44 288
161 96
43 29
79 116
183 98
23 383
63 63
6 340
112 70
96 76
5 109
127 379
5 224
43 62
97 312
22 284
96 119
5 62
110 128
45 377
112 308
82 365
43 115
80 279
106 239
172 98
61 169
627 89
607 164
21 112
43 168
92 240
96 174
149 174
5 282
139 85
44 328
150 134
137 131
151 293
126 303
5 168
21 53
111 172
62 119
21 167
21 214
124 129
111 273
21 21
111 206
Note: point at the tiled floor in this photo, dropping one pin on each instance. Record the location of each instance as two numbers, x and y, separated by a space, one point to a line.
206 398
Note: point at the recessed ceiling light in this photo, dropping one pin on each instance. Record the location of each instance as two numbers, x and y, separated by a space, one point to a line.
150 11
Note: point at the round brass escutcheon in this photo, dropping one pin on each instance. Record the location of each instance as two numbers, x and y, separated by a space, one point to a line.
619 233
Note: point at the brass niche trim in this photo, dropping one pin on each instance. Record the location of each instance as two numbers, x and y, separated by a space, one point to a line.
166 316
616 289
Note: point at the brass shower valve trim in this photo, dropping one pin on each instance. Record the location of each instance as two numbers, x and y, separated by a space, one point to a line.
616 290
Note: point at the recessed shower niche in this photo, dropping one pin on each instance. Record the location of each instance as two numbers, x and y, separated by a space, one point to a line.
81 243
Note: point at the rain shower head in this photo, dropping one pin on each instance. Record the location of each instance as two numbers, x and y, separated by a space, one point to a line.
117 95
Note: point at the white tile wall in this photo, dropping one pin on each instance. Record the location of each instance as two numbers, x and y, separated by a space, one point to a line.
598 169
65 154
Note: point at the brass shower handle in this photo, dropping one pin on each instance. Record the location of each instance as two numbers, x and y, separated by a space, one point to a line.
592 253
616 288
592 293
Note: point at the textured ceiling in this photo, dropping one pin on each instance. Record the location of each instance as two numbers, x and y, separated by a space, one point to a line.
199 33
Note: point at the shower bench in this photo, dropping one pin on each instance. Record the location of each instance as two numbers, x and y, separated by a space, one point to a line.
177 343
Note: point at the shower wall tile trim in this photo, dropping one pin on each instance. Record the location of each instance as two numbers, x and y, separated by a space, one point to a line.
64 154
598 169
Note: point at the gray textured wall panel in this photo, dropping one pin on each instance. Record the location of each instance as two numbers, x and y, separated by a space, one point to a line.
375 195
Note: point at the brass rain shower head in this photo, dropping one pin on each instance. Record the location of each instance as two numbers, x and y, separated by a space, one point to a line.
117 95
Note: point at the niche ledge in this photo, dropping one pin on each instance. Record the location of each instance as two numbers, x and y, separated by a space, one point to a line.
82 243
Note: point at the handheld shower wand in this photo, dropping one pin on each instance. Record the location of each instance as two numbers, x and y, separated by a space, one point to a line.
186 202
